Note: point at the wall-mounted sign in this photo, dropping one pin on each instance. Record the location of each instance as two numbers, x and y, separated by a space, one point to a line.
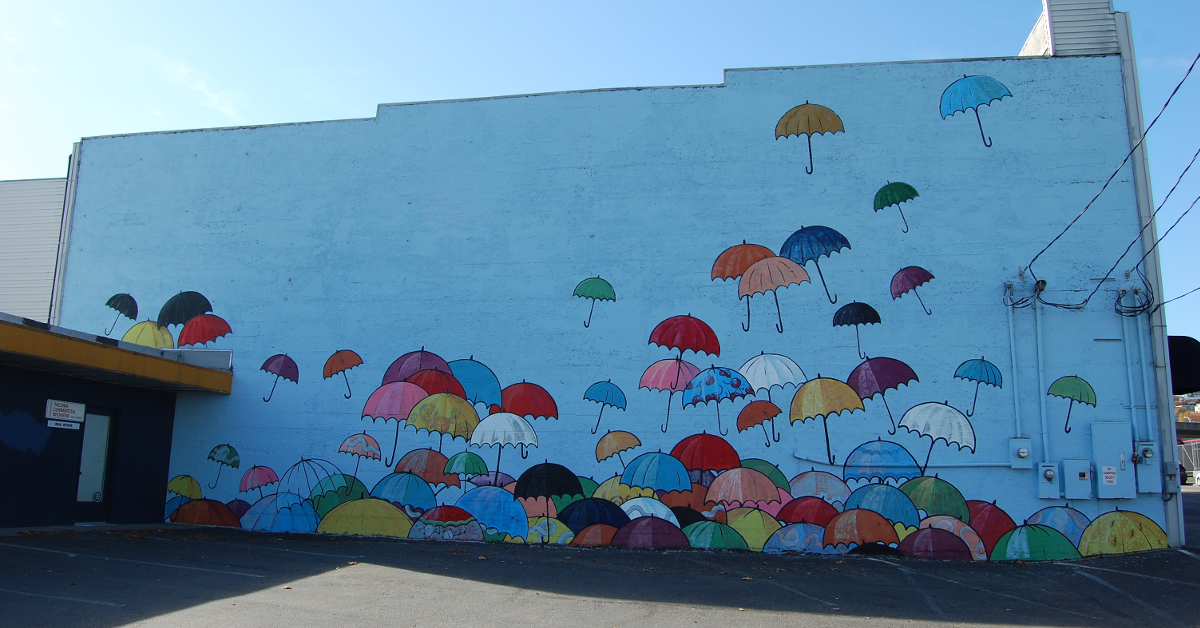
64 410
63 425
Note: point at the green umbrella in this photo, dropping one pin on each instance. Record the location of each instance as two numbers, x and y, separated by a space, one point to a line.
713 535
589 486
466 463
894 194
1075 389
596 289
937 497
1034 542
224 455
335 490
771 471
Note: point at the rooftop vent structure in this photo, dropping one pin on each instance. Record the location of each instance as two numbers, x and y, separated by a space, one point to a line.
1071 28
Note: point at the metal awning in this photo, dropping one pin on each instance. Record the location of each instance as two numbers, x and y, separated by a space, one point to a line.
1185 364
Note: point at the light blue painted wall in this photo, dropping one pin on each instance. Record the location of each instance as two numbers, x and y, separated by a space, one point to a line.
464 226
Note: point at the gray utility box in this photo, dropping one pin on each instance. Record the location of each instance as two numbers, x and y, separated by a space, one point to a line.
1112 451
1149 468
1077 478
1048 482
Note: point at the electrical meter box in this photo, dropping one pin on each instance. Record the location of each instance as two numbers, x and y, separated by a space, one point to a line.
1077 478
1149 468
1048 481
1112 453
1020 453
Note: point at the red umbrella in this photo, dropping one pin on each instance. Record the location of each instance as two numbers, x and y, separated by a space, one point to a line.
935 543
672 374
758 413
280 365
910 278
340 362
686 333
526 399
989 522
807 509
434 381
256 478
705 452
733 261
205 512
203 329
428 465
414 361
876 375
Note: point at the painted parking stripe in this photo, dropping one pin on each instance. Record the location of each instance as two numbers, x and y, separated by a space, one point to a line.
60 597
1150 607
262 547
136 562
1130 573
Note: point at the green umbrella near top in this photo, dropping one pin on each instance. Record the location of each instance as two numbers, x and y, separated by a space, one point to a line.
894 194
596 289
226 456
1073 388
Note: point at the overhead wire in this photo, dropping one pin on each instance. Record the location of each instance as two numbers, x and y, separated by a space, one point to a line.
1193 290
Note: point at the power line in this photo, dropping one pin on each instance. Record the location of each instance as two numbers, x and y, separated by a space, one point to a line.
1196 289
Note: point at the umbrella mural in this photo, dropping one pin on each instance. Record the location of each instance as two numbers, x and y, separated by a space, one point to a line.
434 381
856 528
758 413
808 119
411 362
479 383
591 511
972 92
981 372
340 362
614 491
895 194
281 512
173 504
733 262
939 421
500 514
589 486
149 334
360 446
743 487
393 402
686 516
447 523
649 507
1076 389
495 478
595 289
334 491
820 398
606 394
713 535
224 456
184 485
182 308
548 482
937 497
366 517
1070 522
650 533
548 531
935 543
888 501
304 476
771 471
754 525
203 329
1034 542
880 461
705 453
673 375
807 509
716 384
428 465
125 305
504 429
444 413
613 443
280 365
205 512
686 333
466 464
657 471
806 538
407 491
598 535
958 528
528 400
823 484
768 370
811 244
908 279
257 477
769 275
1121 531
990 522
855 314
876 375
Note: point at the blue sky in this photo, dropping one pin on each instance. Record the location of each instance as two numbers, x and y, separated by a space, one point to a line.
78 69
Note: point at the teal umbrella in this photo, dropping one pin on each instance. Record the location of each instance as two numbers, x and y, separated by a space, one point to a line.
596 289
894 194
981 372
225 456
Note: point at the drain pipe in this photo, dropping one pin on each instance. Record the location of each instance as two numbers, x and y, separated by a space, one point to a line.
1012 355
1137 322
1129 371
1037 314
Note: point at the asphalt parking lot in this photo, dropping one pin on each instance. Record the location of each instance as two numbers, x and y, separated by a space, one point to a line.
180 576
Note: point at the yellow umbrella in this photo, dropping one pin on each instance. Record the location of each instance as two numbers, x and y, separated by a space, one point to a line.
617 493
366 517
444 413
822 397
1121 531
149 334
808 119
613 443
754 525
185 485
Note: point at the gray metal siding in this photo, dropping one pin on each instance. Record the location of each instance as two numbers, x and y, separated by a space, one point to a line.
30 218
1082 27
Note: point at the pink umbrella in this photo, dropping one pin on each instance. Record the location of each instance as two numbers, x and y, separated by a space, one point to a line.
672 374
256 478
876 375
393 402
280 365
360 446
910 278
409 363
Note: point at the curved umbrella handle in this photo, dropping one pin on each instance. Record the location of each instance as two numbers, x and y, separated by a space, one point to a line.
809 169
903 218
668 421
987 141
268 397
723 432
927 310
597 428
114 325
1067 425
779 325
524 452
348 391
764 426
774 433
588 322
214 484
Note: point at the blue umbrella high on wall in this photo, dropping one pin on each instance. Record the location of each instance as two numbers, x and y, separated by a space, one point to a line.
718 384
605 394
809 244
981 372
972 92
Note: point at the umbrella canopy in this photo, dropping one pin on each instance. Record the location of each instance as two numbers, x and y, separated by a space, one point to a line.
613 443
706 452
429 465
1034 542
361 445
447 523
614 491
434 381
657 471
812 510
591 511
969 93
257 477
495 478
238 507
888 501
650 533
225 455
935 543
820 398
733 261
895 194
937 497
808 119
366 517
910 278
528 400
281 512
280 365
648 507
1118 532
444 413
302 477
340 362
876 375
825 485
743 486
754 525
855 314
964 532
686 333
595 289
855 528
806 538
880 460
203 329
990 522
548 480
716 384
406 489
939 421
1070 522
1077 390
185 485
479 383
598 535
172 505
673 375
548 531
771 471
504 429
205 512
606 394
769 275
182 308
497 511
758 413
334 490
589 485
810 244
411 362
393 402
466 463
149 334
981 372
713 535
687 515
769 370
126 306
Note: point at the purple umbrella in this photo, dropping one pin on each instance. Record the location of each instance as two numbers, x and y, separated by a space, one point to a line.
495 478
280 365
909 279
414 361
876 376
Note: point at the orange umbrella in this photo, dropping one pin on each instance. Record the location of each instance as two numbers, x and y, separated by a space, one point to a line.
758 413
340 362
859 527
613 443
742 486
769 275
822 397
595 535
734 261
205 512
428 465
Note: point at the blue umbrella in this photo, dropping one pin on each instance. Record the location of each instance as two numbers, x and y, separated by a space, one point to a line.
657 471
888 501
405 489
970 92
496 510
981 372
173 504
1065 519
806 538
478 381
880 460
716 384
605 394
585 512
809 244
281 512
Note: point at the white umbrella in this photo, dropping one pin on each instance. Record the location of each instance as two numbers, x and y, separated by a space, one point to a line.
939 421
504 429
767 370
648 507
